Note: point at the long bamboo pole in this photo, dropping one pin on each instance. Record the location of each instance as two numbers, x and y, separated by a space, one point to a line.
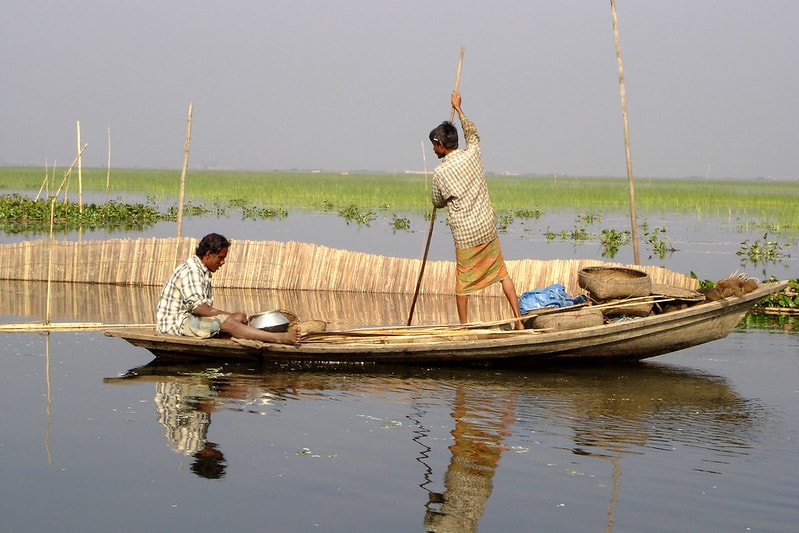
43 186
80 170
183 173
108 167
433 214
633 218
52 223
457 81
67 326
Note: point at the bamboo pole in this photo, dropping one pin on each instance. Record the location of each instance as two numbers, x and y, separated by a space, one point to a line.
80 166
183 173
108 167
43 186
433 214
421 269
457 80
50 248
48 410
633 218
66 326
66 178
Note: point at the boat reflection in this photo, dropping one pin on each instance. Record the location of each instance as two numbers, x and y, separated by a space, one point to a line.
606 412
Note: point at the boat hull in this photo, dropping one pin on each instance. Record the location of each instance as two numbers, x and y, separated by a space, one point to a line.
624 340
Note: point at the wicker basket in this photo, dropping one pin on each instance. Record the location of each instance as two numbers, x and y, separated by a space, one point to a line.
569 320
609 283
626 309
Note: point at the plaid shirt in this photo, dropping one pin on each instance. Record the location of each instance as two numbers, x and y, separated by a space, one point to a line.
187 287
459 184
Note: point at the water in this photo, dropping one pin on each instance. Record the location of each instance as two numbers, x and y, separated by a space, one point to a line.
707 246
93 437
96 438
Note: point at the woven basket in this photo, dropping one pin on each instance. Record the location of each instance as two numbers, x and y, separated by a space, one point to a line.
569 320
627 309
609 283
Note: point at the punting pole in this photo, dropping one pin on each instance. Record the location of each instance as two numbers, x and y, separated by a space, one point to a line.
433 214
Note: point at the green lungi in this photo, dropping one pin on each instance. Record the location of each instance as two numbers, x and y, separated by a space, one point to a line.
479 267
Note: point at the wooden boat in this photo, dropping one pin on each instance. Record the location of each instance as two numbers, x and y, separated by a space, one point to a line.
628 339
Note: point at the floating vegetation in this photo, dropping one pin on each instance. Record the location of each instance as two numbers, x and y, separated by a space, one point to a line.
354 214
504 220
19 214
787 299
324 206
190 210
262 213
765 252
589 218
660 242
400 223
528 213
612 240
578 234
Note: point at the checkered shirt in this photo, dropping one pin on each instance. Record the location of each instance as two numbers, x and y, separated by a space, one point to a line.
188 287
459 184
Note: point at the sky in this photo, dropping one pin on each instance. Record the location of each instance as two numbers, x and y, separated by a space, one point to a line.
356 85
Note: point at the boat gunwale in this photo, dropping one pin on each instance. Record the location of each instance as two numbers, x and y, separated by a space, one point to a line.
509 345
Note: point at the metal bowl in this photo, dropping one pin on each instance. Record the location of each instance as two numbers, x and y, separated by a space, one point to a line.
273 321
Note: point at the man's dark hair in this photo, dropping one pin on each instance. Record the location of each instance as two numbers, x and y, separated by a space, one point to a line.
446 134
213 243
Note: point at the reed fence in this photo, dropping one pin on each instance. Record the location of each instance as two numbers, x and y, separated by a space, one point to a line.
276 265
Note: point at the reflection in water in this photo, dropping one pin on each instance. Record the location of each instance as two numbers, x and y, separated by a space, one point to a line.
49 409
340 309
607 413
184 409
482 420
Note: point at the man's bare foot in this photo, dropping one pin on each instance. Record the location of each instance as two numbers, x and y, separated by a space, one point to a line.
292 336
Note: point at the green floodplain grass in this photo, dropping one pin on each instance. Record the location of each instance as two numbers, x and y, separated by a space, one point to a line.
770 204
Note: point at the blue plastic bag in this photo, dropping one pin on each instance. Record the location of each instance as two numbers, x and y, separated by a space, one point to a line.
553 296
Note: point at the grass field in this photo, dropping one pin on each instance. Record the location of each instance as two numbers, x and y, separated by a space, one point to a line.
771 204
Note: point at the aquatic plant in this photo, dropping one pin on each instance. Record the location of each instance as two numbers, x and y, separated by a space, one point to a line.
660 242
611 240
353 213
765 252
19 214
400 223
786 299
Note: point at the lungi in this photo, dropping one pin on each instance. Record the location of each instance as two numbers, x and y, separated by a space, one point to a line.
203 327
479 267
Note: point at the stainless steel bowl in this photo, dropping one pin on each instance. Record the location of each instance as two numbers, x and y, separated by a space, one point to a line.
273 321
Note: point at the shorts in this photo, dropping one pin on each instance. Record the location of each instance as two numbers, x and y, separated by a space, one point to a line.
203 327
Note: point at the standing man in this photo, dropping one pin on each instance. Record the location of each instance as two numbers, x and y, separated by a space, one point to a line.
459 184
186 306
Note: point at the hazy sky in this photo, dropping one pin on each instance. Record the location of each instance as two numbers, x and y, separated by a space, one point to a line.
712 85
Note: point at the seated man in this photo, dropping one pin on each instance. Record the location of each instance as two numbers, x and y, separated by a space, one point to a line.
186 306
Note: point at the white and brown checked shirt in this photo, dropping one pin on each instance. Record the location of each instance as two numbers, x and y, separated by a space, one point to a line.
187 287
459 184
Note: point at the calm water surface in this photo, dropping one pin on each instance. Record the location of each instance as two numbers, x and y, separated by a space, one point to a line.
95 437
708 246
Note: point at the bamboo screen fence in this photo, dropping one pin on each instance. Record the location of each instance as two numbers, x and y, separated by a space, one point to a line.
275 265
127 304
